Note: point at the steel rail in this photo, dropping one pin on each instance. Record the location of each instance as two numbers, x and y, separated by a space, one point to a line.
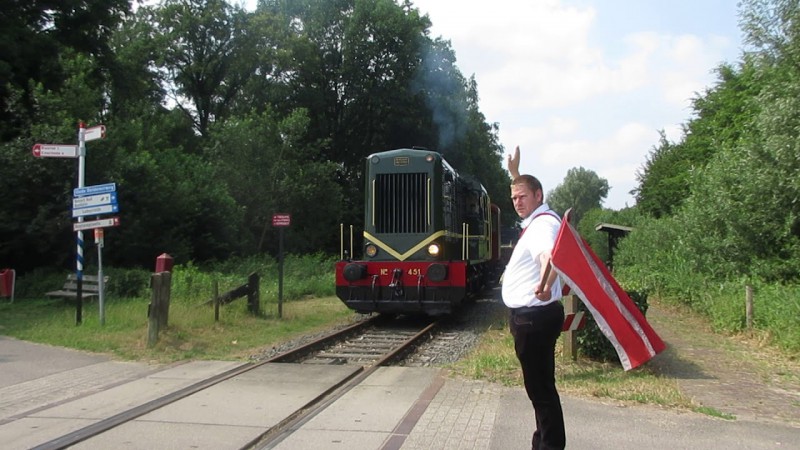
286 427
104 425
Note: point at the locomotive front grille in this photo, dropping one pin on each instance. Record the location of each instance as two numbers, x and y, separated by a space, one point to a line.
400 203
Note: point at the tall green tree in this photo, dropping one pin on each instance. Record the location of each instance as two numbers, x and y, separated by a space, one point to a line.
663 180
216 118
722 115
205 56
581 190
739 216
268 170
485 155
33 36
35 193
744 210
353 65
136 85
371 80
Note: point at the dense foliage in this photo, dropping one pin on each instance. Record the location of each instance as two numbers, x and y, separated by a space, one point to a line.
217 118
726 196
721 207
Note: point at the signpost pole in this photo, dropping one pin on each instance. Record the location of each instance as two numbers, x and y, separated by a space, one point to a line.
92 205
95 200
281 221
79 253
98 239
280 273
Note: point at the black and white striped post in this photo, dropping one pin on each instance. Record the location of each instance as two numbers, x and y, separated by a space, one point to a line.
79 240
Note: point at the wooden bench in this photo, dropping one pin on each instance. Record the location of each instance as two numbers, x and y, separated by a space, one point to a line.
90 287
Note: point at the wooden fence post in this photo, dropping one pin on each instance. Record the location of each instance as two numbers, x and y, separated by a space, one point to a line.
748 306
252 293
215 292
570 339
164 291
158 310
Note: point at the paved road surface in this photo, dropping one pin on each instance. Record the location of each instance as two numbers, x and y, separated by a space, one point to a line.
433 412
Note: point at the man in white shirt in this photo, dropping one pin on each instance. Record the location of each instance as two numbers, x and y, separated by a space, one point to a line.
536 312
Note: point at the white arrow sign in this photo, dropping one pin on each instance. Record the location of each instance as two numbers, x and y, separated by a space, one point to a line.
94 210
55 151
102 223
94 200
93 133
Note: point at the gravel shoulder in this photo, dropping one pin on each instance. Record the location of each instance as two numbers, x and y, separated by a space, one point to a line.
735 375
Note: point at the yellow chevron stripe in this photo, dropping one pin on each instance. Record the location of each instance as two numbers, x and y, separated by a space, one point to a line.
403 256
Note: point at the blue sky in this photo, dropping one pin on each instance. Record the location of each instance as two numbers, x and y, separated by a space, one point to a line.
587 83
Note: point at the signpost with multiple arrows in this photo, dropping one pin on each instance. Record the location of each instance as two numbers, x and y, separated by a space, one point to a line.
87 201
92 205
94 201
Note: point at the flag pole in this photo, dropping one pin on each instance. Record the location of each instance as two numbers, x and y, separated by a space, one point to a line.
544 277
549 267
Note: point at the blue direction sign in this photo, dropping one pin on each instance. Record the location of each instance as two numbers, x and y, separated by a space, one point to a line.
95 210
95 200
93 190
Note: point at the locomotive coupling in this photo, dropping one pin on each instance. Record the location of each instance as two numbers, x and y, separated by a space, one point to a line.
397 283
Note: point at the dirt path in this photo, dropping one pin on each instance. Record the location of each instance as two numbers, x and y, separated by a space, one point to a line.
733 375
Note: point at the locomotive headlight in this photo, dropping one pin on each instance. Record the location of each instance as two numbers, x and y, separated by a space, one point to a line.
375 160
371 250
433 249
429 158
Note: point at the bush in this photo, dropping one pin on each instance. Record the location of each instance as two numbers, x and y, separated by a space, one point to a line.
128 282
303 276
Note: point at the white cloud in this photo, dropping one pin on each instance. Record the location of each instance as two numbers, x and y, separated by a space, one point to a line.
621 145
573 89
562 125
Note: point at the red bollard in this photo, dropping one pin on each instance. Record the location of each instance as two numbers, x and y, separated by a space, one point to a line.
164 263
7 280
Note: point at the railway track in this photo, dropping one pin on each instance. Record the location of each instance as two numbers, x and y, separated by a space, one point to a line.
374 342
366 346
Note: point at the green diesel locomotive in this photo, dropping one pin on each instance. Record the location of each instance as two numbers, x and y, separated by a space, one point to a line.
430 242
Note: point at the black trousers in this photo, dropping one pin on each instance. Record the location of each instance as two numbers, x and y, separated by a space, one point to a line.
535 332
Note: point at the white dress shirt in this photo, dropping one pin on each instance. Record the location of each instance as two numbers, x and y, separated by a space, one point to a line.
524 269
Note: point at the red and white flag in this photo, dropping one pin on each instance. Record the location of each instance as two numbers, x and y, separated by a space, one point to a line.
615 313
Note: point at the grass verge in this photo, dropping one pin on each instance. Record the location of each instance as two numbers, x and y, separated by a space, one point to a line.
193 334
192 331
494 360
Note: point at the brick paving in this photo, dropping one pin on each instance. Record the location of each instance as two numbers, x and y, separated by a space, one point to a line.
460 417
